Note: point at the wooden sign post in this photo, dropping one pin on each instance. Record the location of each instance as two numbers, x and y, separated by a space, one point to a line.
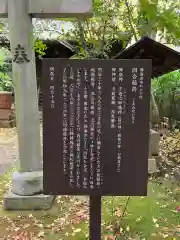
95 218
96 129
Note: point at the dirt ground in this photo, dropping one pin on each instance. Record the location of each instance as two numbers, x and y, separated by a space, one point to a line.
8 148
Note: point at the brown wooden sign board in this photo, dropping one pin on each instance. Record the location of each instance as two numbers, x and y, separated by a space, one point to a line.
96 126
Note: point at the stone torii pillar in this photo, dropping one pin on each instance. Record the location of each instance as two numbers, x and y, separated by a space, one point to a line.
27 183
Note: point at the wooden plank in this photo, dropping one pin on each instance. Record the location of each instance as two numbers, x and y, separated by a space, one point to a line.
53 9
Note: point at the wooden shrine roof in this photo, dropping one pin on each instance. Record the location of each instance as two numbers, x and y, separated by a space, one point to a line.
164 59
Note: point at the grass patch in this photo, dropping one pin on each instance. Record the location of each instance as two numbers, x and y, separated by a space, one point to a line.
152 217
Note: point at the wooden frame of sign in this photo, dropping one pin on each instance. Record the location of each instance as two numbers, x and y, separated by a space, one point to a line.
96 129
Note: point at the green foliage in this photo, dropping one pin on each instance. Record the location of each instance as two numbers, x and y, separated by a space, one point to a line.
123 20
96 35
40 47
151 17
147 17
5 67
5 81
166 90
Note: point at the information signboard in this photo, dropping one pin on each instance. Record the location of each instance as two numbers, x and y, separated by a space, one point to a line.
96 126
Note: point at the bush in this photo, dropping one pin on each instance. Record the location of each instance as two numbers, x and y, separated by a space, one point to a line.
166 91
5 81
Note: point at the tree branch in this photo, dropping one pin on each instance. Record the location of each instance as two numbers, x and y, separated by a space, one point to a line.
103 37
130 19
82 37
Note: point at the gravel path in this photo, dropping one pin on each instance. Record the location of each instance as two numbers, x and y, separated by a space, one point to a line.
8 153
9 148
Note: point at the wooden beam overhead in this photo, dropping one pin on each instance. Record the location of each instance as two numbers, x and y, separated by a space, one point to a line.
53 9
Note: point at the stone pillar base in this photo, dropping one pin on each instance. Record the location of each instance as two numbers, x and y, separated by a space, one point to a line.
152 167
21 203
27 183
26 192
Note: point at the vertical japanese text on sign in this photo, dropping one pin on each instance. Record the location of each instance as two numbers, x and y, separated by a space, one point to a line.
98 112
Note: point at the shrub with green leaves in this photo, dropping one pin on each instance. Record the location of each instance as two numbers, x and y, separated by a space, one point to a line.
166 90
6 84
